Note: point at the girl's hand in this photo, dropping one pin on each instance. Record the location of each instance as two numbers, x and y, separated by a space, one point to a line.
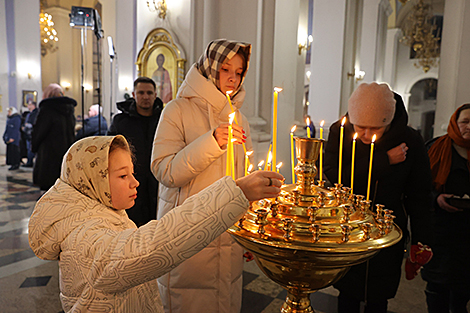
260 185
221 135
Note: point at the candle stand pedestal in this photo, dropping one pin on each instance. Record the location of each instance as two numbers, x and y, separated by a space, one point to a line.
307 238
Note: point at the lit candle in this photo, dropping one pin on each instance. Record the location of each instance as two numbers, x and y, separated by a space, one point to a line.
278 166
370 165
227 94
250 168
321 149
267 159
292 152
232 162
228 169
341 149
247 161
260 165
352 161
276 92
269 162
308 127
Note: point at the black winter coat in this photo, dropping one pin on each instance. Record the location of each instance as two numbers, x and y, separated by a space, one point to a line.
449 264
53 134
404 188
139 131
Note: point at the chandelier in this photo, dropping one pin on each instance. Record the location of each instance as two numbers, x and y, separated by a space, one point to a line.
419 35
48 33
160 6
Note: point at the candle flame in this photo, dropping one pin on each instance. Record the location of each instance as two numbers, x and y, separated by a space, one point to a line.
270 157
231 116
293 129
278 166
322 123
250 168
234 139
277 89
228 92
355 136
373 138
343 121
260 164
307 120
248 153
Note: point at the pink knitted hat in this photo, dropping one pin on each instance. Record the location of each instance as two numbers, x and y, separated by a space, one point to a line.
371 105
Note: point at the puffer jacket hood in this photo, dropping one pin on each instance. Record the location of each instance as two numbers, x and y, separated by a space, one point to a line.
129 106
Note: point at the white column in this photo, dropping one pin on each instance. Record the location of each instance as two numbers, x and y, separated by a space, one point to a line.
285 55
125 43
327 60
374 23
3 71
454 67
27 48
391 52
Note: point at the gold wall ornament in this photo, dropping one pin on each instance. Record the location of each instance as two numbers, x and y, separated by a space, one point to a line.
307 238
418 33
158 6
48 33
163 60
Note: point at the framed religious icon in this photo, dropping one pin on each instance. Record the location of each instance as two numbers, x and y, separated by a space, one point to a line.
162 60
29 95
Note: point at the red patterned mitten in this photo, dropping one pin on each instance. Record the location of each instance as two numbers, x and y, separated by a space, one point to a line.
419 255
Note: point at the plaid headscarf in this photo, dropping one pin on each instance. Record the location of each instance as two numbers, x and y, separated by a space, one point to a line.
217 52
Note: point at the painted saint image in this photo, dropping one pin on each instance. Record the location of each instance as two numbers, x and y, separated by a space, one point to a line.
161 77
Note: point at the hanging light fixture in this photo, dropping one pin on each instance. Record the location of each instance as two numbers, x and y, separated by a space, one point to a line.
159 6
419 35
48 33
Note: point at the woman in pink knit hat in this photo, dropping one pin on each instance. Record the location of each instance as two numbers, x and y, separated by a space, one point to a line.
401 180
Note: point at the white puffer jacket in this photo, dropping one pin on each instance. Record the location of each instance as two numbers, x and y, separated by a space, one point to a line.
109 265
185 159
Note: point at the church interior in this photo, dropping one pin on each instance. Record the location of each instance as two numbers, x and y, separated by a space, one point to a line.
317 51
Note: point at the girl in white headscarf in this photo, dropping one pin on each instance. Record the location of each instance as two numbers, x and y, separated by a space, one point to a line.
189 154
106 263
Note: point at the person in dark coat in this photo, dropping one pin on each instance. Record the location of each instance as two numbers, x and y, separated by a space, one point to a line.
138 122
94 125
448 274
53 134
11 137
30 120
401 180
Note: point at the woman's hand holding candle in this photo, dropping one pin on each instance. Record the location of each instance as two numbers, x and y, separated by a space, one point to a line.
221 135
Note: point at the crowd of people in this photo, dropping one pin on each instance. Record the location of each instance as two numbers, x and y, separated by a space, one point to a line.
116 250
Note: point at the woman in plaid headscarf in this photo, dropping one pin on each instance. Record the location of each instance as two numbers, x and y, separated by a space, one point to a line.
189 154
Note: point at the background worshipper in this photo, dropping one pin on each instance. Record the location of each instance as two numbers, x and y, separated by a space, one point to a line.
53 134
27 128
189 154
401 180
108 264
11 137
448 274
137 122
94 125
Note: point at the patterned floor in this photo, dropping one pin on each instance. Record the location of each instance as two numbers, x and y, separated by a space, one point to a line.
28 284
